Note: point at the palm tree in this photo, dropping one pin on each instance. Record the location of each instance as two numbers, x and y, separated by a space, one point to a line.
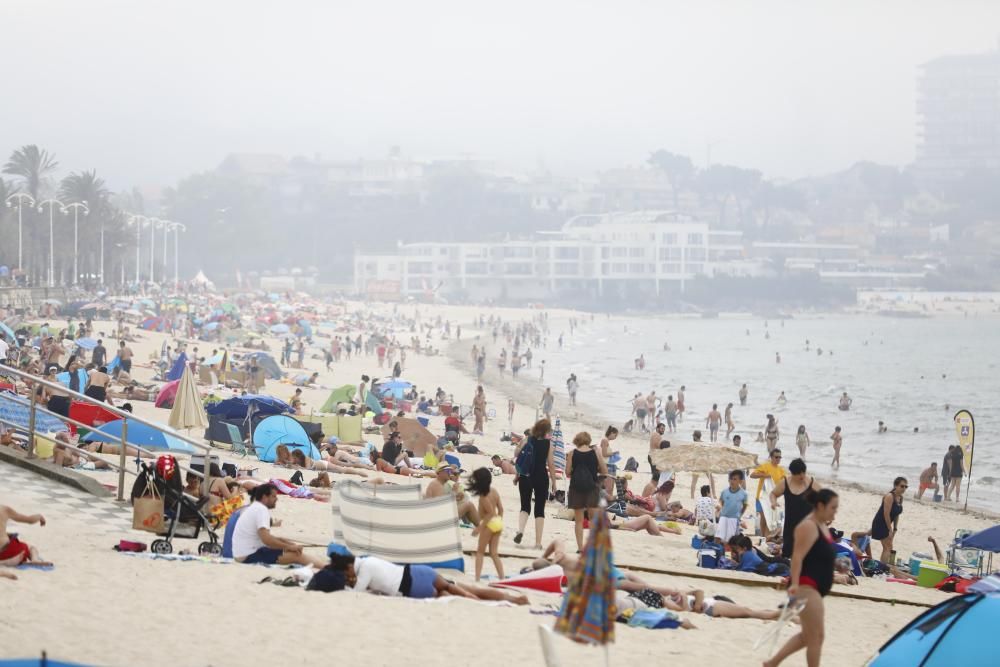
32 165
87 187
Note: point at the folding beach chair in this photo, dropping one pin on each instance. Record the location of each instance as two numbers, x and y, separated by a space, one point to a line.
791 610
240 446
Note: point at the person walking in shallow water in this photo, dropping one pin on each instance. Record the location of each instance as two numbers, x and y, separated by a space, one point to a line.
838 440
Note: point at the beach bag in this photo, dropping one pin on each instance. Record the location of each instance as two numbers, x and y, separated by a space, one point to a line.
147 512
631 465
525 461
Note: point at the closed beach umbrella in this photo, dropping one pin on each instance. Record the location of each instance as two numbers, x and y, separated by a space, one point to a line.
281 430
558 448
588 611
188 411
141 435
693 457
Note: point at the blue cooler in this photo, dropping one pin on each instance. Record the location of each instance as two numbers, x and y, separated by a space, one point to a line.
424 421
708 558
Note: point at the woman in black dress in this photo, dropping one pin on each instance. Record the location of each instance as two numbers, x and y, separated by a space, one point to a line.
534 481
887 518
582 468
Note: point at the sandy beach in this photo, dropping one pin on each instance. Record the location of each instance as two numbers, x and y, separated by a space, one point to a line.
104 608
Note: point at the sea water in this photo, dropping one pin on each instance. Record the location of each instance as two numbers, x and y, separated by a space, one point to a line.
909 373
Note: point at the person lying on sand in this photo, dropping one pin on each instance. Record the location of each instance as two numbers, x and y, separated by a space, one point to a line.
401 468
331 453
413 581
695 601
640 523
68 458
14 552
303 462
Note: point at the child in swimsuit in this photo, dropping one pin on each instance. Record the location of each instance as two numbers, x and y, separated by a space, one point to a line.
491 518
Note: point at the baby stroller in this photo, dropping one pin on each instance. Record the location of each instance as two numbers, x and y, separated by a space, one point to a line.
183 515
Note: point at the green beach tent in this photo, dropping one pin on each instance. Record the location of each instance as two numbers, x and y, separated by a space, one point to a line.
343 394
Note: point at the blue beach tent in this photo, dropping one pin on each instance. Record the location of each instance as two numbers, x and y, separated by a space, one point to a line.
281 430
955 632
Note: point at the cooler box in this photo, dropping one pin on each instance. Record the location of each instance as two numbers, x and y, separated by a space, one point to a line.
709 558
931 574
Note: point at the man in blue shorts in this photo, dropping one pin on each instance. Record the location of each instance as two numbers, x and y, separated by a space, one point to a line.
252 538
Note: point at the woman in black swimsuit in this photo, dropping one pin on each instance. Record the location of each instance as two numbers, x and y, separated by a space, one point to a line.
886 519
812 576
797 506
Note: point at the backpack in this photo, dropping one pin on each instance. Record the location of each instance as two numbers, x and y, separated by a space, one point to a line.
631 465
525 461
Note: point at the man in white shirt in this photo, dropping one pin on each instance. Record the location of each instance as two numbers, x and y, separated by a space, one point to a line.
4 347
252 538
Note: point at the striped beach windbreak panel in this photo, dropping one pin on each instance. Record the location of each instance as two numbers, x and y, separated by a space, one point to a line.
394 523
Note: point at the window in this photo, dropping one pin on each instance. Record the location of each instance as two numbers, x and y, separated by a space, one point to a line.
696 253
518 269
636 252
670 238
420 268
619 268
670 253
696 267
605 253
542 253
619 252
563 269
567 253
476 268
637 268
518 251
415 283
696 239
670 267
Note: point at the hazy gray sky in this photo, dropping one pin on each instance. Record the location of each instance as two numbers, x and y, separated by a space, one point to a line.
147 92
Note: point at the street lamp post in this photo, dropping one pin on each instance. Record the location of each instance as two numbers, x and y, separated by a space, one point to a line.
52 262
20 198
76 206
154 223
138 221
176 228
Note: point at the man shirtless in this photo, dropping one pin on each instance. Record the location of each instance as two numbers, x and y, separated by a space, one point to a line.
713 421
655 439
651 408
13 552
442 484
506 466
680 402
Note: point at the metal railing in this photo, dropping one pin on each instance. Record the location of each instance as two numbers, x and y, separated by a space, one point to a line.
33 409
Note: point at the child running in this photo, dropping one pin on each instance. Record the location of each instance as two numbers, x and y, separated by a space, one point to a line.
491 518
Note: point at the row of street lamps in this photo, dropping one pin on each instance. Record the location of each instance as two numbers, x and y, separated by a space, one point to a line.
19 199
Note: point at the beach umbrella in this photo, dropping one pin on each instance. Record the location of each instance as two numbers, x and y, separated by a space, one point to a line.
236 407
986 540
90 414
165 397
955 632
305 329
148 303
558 448
93 306
588 611
85 343
133 312
281 430
210 326
694 457
395 387
188 411
11 338
280 329
14 410
141 435
415 436
371 402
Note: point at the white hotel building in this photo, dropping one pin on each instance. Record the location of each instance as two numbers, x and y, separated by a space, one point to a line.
626 254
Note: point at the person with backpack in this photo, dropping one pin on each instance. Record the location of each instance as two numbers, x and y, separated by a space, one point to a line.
535 470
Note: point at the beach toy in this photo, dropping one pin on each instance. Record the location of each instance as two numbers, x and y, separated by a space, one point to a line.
44 446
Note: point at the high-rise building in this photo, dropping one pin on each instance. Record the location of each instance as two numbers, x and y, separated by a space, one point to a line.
958 104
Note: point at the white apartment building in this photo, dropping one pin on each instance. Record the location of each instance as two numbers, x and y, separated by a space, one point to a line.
627 254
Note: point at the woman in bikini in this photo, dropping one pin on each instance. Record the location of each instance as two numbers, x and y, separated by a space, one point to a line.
301 461
490 519
812 576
